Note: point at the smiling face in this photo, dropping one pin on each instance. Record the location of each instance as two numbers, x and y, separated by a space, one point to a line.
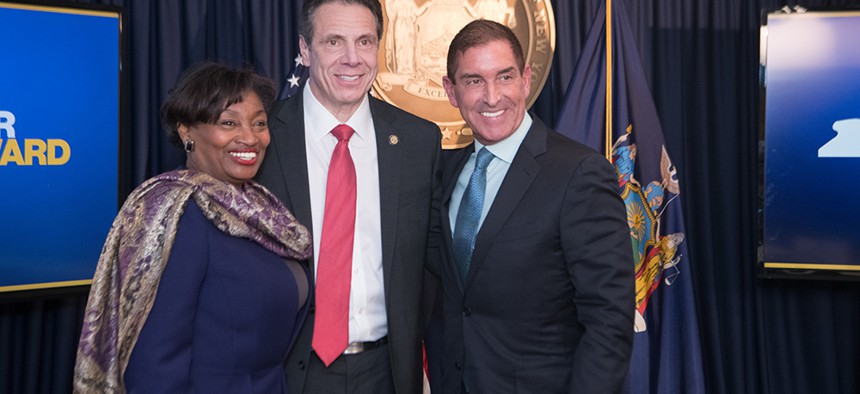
342 57
232 149
489 90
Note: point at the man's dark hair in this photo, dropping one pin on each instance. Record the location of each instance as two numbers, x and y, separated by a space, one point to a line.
309 7
478 33
205 90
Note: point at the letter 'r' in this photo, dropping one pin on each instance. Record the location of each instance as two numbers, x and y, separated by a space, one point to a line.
7 119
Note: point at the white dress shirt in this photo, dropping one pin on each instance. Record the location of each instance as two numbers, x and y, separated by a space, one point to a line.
367 319
504 152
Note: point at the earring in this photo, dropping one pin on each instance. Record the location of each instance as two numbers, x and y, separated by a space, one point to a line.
189 145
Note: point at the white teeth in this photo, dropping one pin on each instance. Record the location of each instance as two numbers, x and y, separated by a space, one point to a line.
348 78
244 155
492 114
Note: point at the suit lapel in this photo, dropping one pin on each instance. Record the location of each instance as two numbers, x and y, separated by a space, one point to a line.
457 160
293 160
390 161
523 170
450 175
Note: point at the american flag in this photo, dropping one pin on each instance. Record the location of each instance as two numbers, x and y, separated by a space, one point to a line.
296 80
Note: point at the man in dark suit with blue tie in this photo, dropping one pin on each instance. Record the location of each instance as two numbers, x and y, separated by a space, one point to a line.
537 269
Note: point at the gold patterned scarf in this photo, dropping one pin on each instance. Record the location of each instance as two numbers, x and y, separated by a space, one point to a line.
136 251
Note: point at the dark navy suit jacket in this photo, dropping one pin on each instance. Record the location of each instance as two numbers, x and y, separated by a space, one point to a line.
548 303
224 316
408 150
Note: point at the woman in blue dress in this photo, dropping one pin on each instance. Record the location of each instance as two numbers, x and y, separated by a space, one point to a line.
201 285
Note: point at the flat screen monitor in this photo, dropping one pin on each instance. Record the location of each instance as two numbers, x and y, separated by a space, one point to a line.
810 193
59 142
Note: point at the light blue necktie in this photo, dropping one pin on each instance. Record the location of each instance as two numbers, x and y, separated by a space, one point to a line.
469 213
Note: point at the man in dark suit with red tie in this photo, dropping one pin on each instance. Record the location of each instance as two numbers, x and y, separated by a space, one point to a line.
537 269
363 175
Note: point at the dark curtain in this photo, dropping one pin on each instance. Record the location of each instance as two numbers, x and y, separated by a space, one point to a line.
701 58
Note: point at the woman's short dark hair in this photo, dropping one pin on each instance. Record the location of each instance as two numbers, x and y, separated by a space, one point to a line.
481 32
309 7
205 90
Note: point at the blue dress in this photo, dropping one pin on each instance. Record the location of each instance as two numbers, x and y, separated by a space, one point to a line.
224 317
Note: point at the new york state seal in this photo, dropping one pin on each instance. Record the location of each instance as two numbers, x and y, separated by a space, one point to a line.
414 50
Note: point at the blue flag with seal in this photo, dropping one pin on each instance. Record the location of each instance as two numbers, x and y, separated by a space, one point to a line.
667 355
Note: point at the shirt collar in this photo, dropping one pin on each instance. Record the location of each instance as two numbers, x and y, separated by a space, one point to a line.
507 148
324 121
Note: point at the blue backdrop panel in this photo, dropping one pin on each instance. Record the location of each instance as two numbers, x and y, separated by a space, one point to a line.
59 142
811 192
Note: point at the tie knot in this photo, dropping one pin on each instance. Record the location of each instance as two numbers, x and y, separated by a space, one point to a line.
342 132
484 158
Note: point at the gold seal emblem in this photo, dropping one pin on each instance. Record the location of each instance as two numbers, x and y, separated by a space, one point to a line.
414 51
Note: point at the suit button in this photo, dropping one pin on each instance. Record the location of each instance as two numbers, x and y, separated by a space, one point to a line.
301 365
467 312
457 365
312 308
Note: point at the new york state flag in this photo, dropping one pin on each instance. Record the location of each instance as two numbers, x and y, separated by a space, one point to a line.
666 350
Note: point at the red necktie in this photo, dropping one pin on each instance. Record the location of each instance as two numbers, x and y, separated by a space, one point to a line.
334 269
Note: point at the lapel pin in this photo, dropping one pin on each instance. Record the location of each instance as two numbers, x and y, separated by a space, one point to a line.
393 140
